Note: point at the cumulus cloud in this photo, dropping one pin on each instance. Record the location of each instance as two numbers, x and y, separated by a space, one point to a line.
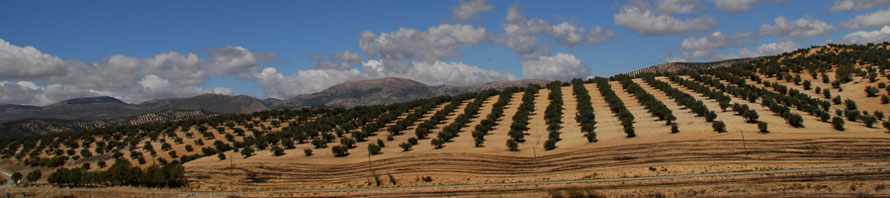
864 37
642 20
876 19
677 6
764 50
853 5
467 10
277 85
437 43
562 67
338 60
800 29
716 40
131 79
521 33
694 48
734 6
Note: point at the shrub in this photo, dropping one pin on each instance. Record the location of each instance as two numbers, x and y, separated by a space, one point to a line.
373 149
221 156
871 91
412 140
340 151
838 123
406 146
247 152
885 99
850 104
869 121
762 126
16 177
879 115
438 143
807 85
34 176
512 145
380 143
852 115
887 125
277 150
308 152
795 120
719 126
751 116
674 128
591 137
550 144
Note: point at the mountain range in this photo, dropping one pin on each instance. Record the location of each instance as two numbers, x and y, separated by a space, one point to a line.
86 113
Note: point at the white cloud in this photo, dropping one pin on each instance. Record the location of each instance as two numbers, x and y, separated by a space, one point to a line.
642 20
467 10
853 5
864 37
338 61
764 50
876 19
734 6
716 40
800 29
277 85
26 62
521 33
437 43
50 79
677 6
450 73
562 67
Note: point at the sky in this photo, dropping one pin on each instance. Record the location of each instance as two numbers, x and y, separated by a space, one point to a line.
143 50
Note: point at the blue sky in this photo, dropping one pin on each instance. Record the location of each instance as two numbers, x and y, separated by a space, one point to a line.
56 50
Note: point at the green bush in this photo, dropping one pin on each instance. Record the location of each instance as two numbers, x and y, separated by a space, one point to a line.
512 145
762 126
373 149
674 128
340 151
838 123
719 126
406 146
307 152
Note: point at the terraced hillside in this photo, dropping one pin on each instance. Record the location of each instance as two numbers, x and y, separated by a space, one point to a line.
812 108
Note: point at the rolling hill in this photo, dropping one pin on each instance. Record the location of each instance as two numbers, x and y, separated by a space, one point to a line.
820 107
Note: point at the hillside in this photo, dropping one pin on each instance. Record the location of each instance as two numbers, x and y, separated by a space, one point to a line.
812 108
679 66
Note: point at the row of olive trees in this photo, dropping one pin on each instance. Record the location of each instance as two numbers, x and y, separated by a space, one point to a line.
617 106
585 115
497 111
520 119
553 114
655 106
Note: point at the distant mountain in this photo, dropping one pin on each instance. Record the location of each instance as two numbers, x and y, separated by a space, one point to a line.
386 91
104 108
677 66
94 112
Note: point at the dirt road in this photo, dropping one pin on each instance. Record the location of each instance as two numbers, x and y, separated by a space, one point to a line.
541 183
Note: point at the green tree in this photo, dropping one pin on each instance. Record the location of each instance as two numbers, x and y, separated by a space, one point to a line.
340 151
675 128
16 177
405 146
438 143
247 152
373 149
512 145
719 126
762 126
277 150
838 123
871 91
34 175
